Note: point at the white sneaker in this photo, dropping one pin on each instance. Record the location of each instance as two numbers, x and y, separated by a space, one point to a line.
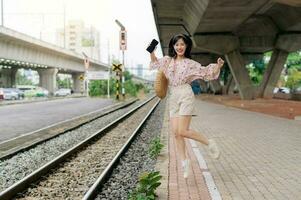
185 165
214 151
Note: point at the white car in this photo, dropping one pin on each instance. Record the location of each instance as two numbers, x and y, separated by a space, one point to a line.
62 92
1 93
10 94
284 90
298 90
276 89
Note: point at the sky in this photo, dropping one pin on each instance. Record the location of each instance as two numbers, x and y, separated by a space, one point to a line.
41 18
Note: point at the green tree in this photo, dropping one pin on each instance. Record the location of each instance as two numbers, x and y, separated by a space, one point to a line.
63 83
293 70
257 67
131 87
256 70
100 87
294 79
127 75
294 60
21 79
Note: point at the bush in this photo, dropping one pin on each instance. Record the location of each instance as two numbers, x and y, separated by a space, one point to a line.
155 147
99 87
294 79
148 183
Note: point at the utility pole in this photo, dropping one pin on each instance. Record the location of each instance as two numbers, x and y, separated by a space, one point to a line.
87 65
91 39
122 47
109 63
64 26
2 15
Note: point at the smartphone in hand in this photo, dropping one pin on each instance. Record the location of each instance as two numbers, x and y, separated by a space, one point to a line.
152 46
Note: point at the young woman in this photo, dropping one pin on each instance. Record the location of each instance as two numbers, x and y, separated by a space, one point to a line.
180 71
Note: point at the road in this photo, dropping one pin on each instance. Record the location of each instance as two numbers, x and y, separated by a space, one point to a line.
20 119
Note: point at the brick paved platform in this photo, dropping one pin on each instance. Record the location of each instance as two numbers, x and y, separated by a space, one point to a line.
261 157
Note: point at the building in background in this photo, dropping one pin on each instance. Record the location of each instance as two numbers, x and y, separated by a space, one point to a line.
140 70
80 39
151 75
31 75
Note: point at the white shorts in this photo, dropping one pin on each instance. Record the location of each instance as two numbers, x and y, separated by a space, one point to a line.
181 100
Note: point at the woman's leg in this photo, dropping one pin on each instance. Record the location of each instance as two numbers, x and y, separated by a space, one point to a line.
184 122
184 131
174 121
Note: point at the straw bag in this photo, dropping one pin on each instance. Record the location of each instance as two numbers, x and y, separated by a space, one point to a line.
161 84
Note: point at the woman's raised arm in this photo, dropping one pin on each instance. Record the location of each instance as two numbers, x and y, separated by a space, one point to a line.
153 57
158 63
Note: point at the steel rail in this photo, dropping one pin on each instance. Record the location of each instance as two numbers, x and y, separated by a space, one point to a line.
107 110
22 184
92 192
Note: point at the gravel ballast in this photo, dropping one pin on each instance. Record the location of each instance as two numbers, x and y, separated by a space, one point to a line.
24 163
135 161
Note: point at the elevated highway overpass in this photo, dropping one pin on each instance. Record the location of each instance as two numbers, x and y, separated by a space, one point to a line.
18 50
239 30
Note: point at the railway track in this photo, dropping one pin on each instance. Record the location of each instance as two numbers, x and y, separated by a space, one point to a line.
78 172
52 142
13 146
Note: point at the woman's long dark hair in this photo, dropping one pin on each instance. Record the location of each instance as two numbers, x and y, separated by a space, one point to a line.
171 51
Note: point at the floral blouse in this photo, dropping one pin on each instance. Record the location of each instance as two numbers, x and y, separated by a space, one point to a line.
184 71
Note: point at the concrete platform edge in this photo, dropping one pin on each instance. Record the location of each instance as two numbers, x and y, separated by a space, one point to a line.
162 164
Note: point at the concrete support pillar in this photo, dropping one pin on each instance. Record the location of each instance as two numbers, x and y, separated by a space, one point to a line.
226 87
232 87
48 79
272 73
240 74
204 86
215 86
8 77
78 84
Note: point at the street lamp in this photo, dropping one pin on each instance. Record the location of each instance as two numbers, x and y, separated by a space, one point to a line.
87 65
2 15
119 24
122 47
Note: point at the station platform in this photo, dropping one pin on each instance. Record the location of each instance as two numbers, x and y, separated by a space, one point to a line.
260 157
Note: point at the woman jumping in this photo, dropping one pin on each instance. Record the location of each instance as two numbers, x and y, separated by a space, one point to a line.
181 70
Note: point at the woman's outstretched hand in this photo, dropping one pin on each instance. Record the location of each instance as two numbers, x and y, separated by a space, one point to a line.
153 56
220 62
